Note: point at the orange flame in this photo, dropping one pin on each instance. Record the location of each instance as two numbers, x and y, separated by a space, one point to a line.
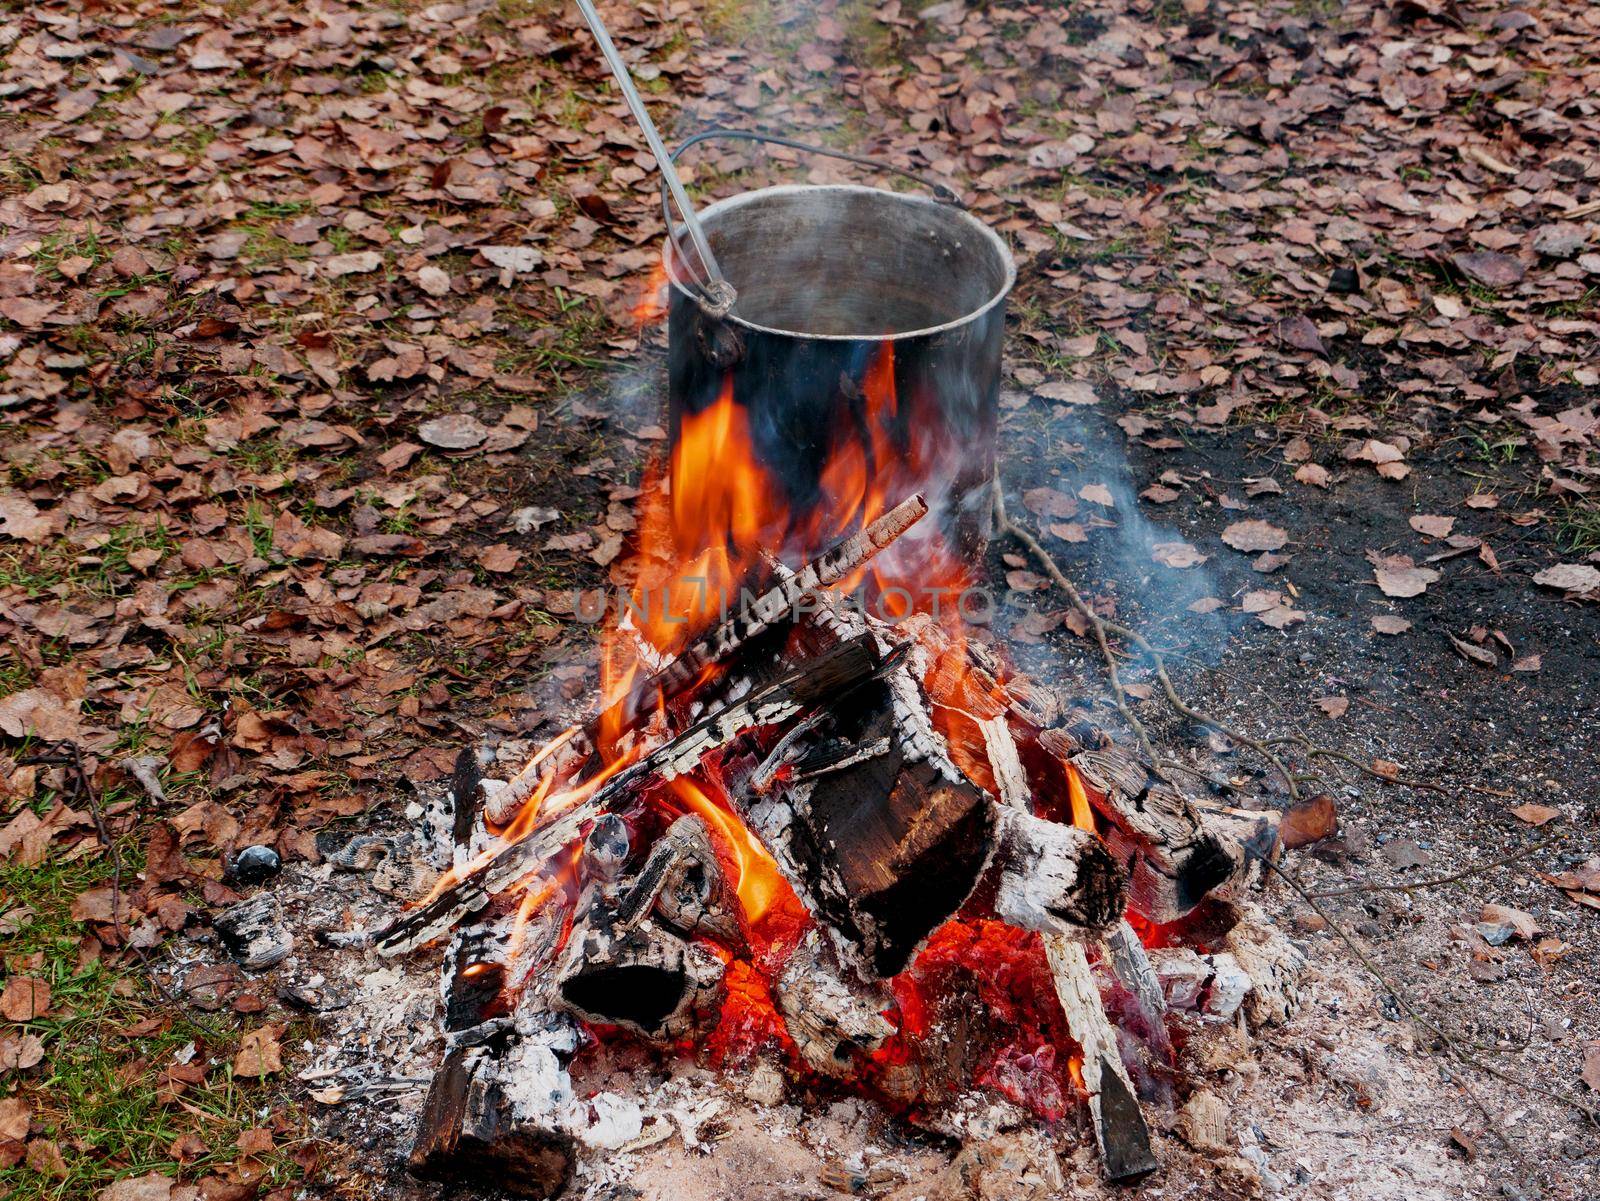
754 874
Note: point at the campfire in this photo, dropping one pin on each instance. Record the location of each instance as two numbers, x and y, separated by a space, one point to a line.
818 817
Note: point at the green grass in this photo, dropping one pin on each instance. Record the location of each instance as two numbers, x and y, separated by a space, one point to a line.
98 1094
1577 528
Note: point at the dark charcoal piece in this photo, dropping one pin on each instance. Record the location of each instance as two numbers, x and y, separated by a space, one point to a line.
1344 280
256 865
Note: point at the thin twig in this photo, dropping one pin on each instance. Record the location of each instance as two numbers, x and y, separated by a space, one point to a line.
1103 629
1416 1015
1474 869
67 755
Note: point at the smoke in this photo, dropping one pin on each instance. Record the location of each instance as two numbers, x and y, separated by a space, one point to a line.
1118 560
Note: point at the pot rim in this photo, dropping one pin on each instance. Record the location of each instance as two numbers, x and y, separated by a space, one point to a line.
996 243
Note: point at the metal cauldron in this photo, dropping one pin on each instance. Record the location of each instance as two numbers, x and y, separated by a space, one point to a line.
830 279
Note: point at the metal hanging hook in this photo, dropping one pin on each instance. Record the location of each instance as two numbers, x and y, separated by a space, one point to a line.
719 292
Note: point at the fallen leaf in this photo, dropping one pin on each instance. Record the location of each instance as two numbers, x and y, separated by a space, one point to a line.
1569 577
1310 821
1432 525
1482 500
1313 474
1591 1066
1072 392
1177 554
435 281
1334 706
20 1054
1489 268
1535 814
455 431
152 1186
1403 853
259 1053
1399 577
25 998
1254 535
499 558
1524 925
1160 494
16 1116
1207 604
1049 502
1388 623
358 263
1481 655
1097 494
1300 333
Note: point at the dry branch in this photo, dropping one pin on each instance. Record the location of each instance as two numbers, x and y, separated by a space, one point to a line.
769 608
823 679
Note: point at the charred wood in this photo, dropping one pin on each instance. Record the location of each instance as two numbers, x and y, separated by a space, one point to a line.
469 1133
771 607
1174 858
645 979
833 1016
823 680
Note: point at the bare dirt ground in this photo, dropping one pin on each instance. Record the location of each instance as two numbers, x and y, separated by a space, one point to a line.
323 389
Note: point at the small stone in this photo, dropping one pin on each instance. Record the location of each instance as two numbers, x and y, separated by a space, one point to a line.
256 865
1344 280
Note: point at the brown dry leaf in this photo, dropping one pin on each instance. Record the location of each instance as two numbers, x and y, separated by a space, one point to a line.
1334 706
1570 577
358 263
1252 536
1432 525
1070 392
1069 531
25 999
1482 500
259 1053
1097 494
1388 623
20 518
1049 502
1492 270
16 1117
499 558
44 1157
1398 576
1207 604
435 281
1313 474
1590 1073
18 1054
1480 655
1300 333
1535 814
1310 821
152 1186
1528 663
1177 554
1160 494
454 431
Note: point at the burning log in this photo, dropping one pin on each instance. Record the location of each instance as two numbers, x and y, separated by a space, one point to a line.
776 604
645 979
1118 1121
1054 877
832 1016
471 1128
825 679
470 1132
683 883
1175 859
